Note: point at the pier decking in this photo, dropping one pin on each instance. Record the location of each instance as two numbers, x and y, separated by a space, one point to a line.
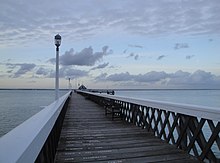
89 136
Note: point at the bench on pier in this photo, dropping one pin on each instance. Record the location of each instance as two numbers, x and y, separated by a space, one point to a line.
112 108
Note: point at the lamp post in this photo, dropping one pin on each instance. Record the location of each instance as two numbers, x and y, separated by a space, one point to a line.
57 40
70 86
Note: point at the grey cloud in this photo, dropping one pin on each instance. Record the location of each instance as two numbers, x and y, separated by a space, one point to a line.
23 68
120 77
133 55
161 57
180 79
198 79
101 77
73 73
84 58
181 46
148 77
42 71
190 56
12 65
179 74
9 71
125 51
64 72
136 57
101 66
201 77
18 69
158 19
152 76
52 60
136 46
39 20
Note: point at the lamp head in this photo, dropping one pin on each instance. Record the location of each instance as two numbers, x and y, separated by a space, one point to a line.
57 40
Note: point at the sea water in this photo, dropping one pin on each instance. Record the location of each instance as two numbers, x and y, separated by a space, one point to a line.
209 98
16 106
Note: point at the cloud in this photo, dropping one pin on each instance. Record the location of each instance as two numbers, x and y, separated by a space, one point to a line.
23 68
84 58
161 57
181 46
100 66
136 46
190 56
42 71
125 51
152 76
148 77
130 55
64 72
26 21
16 70
101 77
199 79
120 77
133 55
136 57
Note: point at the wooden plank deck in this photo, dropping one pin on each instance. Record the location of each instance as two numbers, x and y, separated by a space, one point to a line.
89 136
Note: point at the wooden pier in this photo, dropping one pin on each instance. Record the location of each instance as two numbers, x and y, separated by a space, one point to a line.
88 135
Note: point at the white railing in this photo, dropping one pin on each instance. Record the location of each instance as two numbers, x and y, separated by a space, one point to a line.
194 129
24 143
206 112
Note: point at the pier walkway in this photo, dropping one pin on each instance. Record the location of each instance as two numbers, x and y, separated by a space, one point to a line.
88 135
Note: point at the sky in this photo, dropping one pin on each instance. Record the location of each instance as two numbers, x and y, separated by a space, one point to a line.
130 44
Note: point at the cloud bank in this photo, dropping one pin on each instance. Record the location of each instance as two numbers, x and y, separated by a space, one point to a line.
180 79
84 58
101 66
26 21
161 57
64 72
19 69
135 56
181 46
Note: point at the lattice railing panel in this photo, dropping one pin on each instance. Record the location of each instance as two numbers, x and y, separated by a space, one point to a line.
197 136
186 132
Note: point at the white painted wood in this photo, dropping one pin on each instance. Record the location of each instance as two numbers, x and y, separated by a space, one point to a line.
211 113
23 143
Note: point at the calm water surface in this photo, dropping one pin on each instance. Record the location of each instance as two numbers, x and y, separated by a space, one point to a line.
195 97
16 106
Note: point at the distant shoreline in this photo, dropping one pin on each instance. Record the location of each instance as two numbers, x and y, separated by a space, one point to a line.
109 89
29 89
161 89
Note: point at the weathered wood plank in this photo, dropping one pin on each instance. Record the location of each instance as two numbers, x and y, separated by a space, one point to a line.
89 136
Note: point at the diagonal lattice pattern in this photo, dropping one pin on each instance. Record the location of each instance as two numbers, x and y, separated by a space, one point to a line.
197 136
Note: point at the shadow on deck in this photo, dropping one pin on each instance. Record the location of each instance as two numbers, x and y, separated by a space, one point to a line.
89 136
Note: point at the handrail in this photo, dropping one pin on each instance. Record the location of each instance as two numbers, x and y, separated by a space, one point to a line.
25 142
194 129
212 113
